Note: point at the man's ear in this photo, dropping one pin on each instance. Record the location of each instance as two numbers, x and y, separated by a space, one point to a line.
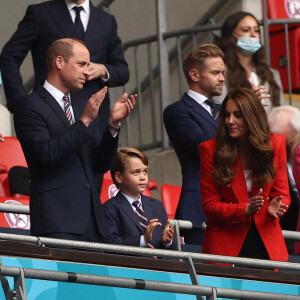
118 177
59 62
194 75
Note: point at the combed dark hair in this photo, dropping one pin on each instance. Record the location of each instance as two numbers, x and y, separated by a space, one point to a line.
197 56
236 74
262 154
122 157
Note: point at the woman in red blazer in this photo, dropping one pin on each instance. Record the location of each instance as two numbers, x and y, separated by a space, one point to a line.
244 182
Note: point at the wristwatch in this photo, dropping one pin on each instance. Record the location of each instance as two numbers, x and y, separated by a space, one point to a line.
117 129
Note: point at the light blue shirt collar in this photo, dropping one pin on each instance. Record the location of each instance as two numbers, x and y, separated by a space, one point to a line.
130 200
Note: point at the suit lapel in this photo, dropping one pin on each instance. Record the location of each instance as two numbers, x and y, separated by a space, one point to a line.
238 184
92 25
62 18
195 107
54 105
148 209
128 210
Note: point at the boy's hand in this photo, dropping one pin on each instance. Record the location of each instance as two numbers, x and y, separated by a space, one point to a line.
149 230
168 233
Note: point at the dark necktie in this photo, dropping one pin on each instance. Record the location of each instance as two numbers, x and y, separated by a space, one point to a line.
78 23
67 109
212 105
141 214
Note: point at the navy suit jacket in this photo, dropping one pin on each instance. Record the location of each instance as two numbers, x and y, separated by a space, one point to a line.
65 163
188 124
43 24
123 223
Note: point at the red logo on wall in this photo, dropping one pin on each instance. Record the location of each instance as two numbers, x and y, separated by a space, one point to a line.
17 220
292 8
112 191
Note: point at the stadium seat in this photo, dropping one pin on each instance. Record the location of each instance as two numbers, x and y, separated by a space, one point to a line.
11 154
170 197
152 184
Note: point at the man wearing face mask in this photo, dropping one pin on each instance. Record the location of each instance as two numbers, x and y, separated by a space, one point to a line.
245 61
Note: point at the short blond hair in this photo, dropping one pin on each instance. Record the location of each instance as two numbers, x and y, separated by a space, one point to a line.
197 57
122 157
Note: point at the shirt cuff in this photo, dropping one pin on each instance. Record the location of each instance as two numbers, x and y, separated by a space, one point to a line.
169 245
107 74
142 241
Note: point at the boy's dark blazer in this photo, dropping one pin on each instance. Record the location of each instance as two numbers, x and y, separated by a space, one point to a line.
123 224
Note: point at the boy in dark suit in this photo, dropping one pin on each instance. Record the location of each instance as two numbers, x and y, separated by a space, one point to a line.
132 218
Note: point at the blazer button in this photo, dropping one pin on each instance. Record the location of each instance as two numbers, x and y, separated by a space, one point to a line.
87 186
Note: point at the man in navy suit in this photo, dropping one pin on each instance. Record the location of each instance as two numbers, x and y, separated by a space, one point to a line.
65 149
191 121
48 21
132 218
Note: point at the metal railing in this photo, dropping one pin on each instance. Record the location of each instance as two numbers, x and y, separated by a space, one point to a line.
178 224
210 292
188 257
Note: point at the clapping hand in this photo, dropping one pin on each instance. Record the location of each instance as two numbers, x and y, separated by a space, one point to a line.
256 203
92 107
149 230
168 233
121 109
276 208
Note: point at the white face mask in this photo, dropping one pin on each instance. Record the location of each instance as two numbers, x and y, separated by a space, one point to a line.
248 45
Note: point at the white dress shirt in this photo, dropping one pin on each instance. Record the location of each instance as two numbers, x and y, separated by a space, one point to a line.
85 17
200 99
58 96
84 14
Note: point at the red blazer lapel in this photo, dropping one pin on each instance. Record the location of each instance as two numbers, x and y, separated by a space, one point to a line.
238 184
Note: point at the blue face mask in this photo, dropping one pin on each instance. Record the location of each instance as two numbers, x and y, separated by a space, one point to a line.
248 45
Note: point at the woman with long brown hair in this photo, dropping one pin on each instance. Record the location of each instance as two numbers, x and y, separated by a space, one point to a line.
244 182
245 60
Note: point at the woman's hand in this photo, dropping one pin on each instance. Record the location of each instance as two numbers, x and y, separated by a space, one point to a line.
254 206
276 208
261 93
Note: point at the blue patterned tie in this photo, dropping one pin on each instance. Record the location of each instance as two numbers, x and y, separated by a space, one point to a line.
142 218
213 109
141 214
67 109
